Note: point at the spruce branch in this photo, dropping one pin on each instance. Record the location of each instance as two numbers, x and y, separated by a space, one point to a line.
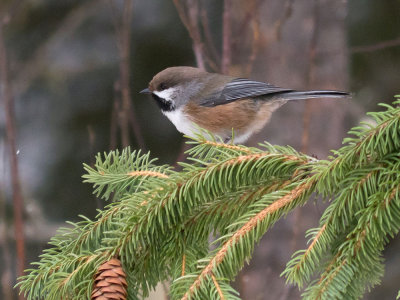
238 239
361 216
159 221
117 173
333 222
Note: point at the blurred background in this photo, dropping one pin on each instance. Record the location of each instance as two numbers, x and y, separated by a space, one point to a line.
70 72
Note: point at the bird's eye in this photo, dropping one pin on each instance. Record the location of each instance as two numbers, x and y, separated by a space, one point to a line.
162 86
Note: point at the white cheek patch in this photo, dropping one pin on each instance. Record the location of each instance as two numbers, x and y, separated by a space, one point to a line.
166 94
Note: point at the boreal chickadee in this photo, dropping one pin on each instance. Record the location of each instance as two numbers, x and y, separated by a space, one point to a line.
192 98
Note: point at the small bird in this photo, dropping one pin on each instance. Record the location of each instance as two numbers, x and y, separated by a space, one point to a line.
192 99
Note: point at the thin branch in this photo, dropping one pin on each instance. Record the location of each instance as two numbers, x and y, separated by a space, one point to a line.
358 246
181 155
314 242
92 140
316 239
332 263
182 15
147 173
327 223
87 260
331 277
255 156
310 77
183 265
208 37
248 197
248 17
197 176
305 137
127 113
221 295
287 13
256 38
189 18
115 16
245 229
114 119
193 13
226 37
376 47
393 193
11 138
136 128
227 146
6 277
124 49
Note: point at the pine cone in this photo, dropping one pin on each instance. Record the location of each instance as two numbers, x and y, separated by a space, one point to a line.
110 282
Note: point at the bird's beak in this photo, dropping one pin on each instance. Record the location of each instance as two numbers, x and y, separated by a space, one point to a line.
145 91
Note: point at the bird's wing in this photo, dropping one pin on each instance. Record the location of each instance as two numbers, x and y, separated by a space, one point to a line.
241 88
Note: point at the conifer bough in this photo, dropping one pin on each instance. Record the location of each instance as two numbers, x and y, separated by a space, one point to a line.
158 223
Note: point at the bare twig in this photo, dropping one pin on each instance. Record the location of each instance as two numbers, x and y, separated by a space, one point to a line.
198 48
285 16
115 16
248 17
194 17
305 138
306 124
308 105
189 16
92 149
375 47
226 37
11 139
114 118
181 155
209 40
6 277
183 16
256 37
310 77
124 48
128 113
125 113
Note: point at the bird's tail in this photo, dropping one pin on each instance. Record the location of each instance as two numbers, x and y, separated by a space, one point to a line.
299 95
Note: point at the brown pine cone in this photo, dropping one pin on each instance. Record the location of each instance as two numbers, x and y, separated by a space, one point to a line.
110 282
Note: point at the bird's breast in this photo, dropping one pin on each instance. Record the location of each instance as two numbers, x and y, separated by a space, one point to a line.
181 121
